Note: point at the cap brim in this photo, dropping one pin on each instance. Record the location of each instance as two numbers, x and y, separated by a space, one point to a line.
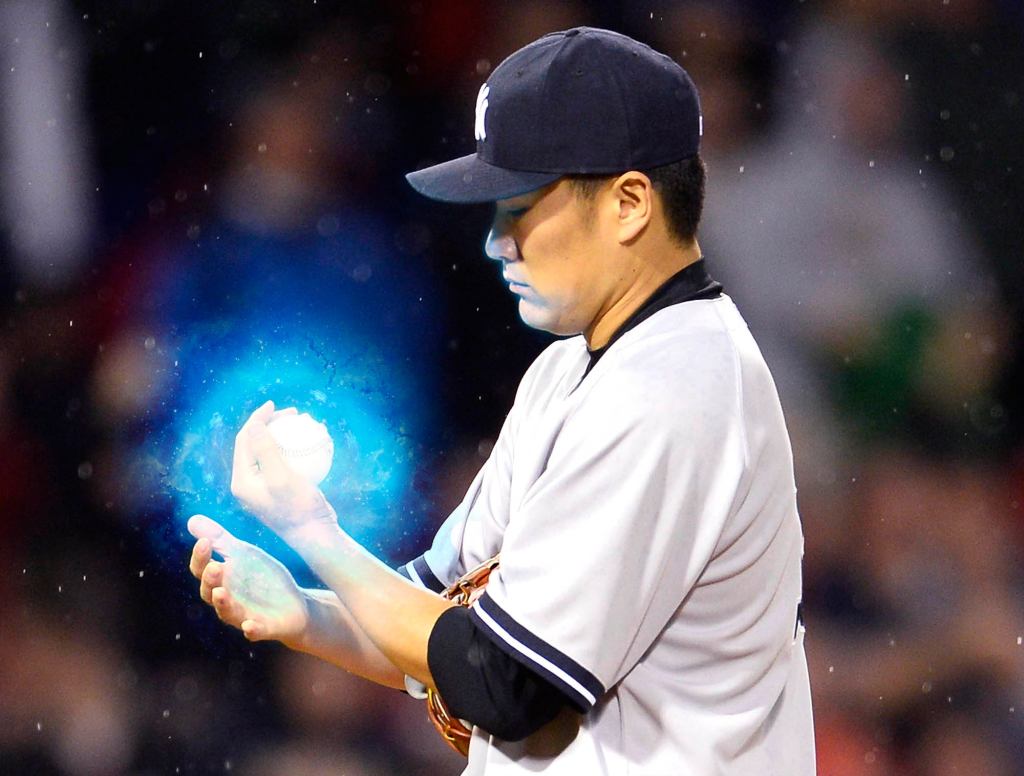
470 179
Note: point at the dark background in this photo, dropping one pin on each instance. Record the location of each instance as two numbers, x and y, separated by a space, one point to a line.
170 171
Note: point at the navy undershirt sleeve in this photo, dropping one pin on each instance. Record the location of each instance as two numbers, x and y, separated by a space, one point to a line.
483 685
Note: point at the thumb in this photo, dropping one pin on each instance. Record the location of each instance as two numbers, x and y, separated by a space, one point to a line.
203 527
254 631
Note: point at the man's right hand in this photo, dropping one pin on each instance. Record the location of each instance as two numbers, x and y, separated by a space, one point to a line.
249 589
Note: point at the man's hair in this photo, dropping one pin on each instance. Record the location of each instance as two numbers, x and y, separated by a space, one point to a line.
679 184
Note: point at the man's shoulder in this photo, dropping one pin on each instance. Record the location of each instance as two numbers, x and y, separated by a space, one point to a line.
562 348
555 357
680 343
691 359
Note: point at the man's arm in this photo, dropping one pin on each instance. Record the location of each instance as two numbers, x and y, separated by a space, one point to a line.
478 680
334 635
311 621
395 615
401 620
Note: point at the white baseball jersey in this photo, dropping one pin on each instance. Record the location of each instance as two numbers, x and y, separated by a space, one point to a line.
650 556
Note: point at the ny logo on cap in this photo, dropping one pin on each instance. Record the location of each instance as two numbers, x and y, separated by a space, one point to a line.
481 111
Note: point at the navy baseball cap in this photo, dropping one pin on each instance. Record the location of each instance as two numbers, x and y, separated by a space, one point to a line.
580 101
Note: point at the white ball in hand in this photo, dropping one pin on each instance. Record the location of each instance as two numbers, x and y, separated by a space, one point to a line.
305 445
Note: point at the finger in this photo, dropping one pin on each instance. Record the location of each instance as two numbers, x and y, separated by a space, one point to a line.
272 466
213 577
227 608
220 538
243 460
285 411
264 412
253 630
201 553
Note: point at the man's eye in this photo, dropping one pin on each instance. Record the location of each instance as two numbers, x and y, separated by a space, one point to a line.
517 213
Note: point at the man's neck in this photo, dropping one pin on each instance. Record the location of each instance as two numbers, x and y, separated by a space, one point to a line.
649 278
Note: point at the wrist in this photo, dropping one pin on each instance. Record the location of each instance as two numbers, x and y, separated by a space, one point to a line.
309 637
295 512
312 510
326 549
312 535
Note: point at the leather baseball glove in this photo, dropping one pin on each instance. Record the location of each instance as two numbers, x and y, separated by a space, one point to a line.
464 591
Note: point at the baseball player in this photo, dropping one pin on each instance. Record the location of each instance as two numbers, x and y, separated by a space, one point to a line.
638 509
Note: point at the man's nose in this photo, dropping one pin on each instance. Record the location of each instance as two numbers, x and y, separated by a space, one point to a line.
500 246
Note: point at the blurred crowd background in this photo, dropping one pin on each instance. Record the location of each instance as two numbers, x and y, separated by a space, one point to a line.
170 170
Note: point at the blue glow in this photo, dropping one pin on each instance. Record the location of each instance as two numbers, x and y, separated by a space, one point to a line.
353 349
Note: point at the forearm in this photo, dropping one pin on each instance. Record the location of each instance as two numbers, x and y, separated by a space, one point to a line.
395 615
392 613
332 634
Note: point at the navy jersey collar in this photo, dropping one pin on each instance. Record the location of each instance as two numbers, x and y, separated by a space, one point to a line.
690 283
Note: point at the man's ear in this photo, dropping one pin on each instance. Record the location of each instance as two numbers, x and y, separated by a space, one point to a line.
634 195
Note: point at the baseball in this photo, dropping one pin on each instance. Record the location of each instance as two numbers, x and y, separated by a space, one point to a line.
305 444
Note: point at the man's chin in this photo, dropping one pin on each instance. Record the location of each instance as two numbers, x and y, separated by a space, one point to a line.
536 319
533 317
